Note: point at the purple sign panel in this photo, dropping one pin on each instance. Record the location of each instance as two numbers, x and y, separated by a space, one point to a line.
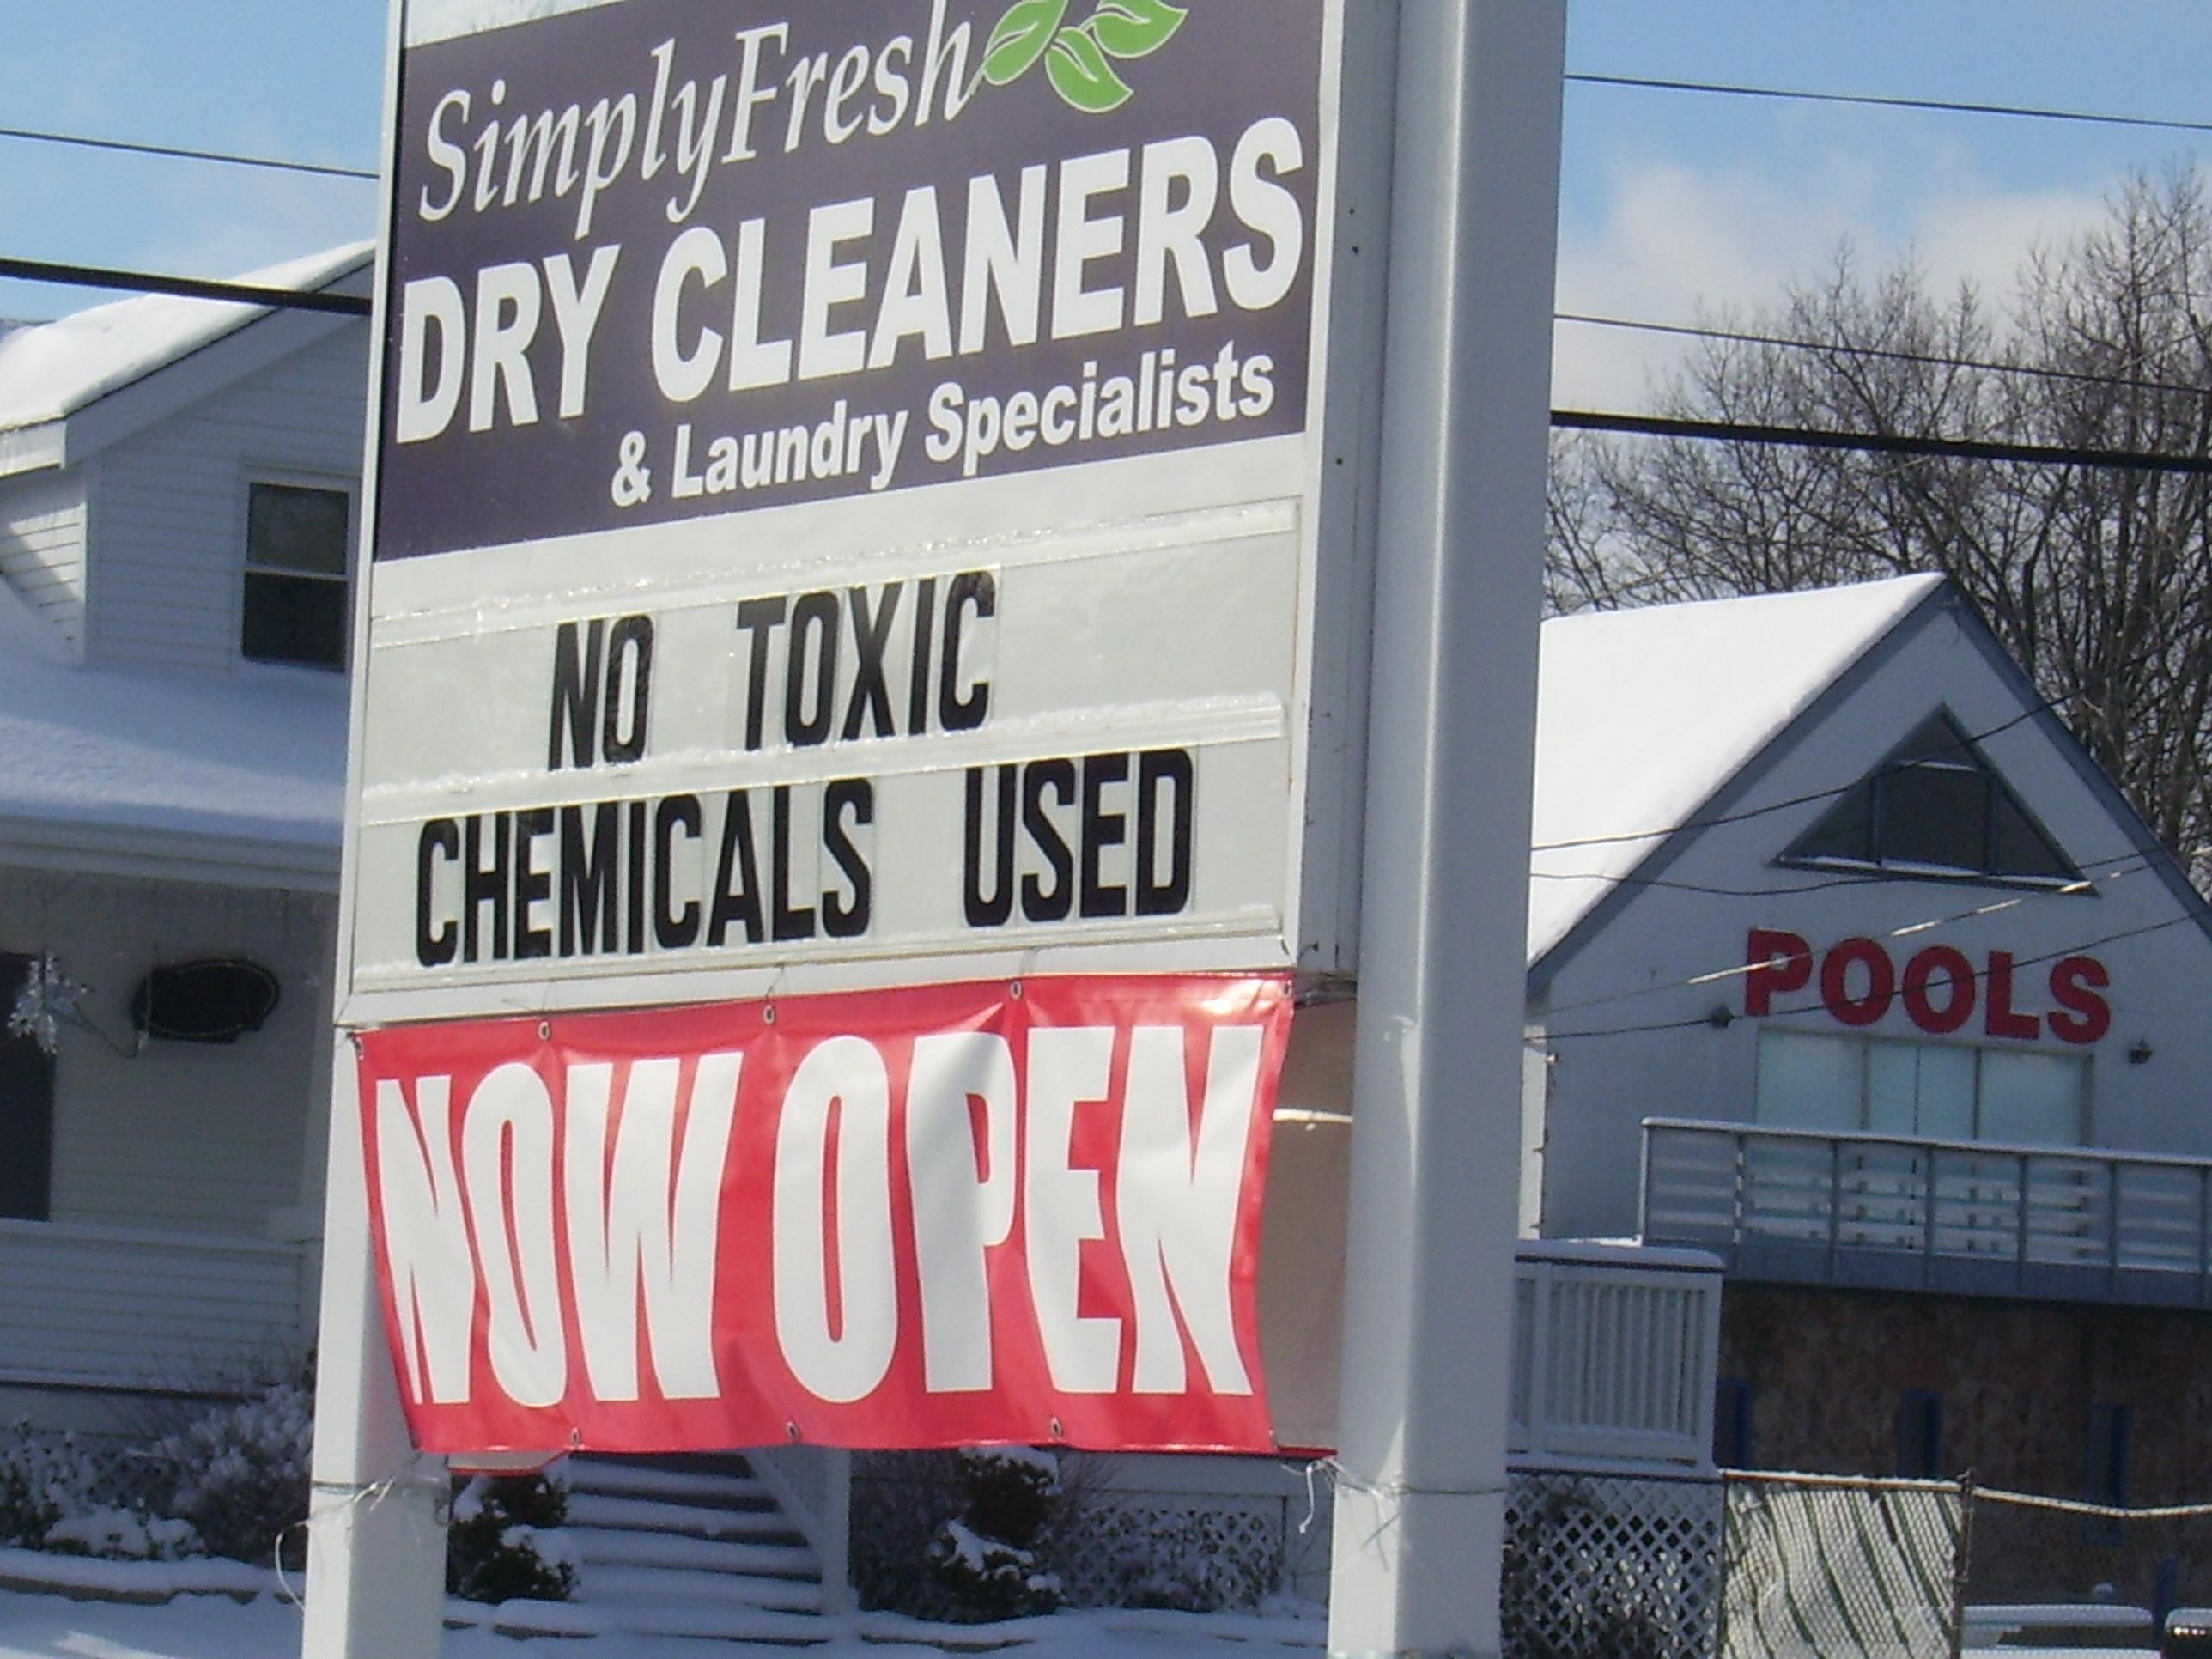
669 258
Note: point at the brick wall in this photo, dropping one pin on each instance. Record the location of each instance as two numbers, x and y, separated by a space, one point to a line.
1829 1370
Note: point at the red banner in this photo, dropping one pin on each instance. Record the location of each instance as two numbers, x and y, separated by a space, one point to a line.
952 1215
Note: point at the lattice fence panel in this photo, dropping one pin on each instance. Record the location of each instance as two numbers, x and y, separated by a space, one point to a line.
1607 1568
1109 1546
95 1470
1138 1549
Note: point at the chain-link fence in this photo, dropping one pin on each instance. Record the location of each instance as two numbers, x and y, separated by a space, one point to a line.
1782 1566
1816 1566
1814 1569
2032 1550
1741 1566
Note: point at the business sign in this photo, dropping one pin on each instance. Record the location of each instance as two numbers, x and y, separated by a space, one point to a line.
952 1215
1939 988
673 257
847 499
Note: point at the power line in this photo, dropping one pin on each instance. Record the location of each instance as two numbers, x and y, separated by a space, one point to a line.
1573 420
1856 879
1876 443
188 288
1933 360
2125 865
1878 100
179 152
1963 745
1949 107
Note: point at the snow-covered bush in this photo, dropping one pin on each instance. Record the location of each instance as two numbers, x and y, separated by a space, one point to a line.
119 1535
988 1577
42 1481
505 1542
988 1555
1194 1567
239 1473
899 1497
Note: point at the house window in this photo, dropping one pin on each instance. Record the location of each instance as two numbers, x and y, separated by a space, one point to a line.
2111 1429
1935 807
1921 1091
2105 1469
1732 1424
1920 1435
294 608
27 1110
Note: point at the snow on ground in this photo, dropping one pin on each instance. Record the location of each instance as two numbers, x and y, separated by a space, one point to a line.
211 1627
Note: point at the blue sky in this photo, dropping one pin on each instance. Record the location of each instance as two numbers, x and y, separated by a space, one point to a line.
1671 203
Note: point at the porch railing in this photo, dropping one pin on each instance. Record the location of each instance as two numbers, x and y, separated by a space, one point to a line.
162 1312
813 1486
1613 1356
2067 1223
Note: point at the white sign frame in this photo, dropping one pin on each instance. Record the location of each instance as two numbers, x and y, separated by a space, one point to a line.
1319 719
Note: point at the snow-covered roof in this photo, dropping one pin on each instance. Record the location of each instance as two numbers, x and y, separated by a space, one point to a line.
242 773
49 372
1642 715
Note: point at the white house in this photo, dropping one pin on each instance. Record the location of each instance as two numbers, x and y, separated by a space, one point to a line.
1848 964
176 491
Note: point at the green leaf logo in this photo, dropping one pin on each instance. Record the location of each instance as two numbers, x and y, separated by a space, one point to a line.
1080 74
1133 28
1021 38
1078 60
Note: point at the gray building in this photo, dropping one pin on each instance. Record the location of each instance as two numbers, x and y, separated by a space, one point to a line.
177 493
1849 965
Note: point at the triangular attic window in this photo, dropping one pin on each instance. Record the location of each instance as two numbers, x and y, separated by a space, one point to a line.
1935 807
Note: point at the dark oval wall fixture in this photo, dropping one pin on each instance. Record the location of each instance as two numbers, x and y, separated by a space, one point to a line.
217 1000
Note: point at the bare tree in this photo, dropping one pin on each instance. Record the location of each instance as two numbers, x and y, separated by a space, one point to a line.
2098 578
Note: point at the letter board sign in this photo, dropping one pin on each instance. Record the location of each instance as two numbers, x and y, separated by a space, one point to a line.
849 501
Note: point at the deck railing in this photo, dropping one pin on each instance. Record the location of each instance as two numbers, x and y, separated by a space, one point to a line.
2069 1224
1614 1354
813 1485
123 1308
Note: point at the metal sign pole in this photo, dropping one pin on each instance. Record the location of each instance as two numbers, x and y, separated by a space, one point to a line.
1428 1335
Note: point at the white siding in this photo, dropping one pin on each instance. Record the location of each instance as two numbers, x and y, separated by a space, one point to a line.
1610 1069
42 540
157 1310
169 502
189 1138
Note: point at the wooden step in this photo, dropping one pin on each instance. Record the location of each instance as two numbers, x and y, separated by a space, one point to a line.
598 1545
632 1588
593 1509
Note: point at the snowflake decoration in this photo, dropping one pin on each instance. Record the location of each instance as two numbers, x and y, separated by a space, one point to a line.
48 999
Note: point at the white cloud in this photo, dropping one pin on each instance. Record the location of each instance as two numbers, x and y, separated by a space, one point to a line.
1984 239
1669 243
226 226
